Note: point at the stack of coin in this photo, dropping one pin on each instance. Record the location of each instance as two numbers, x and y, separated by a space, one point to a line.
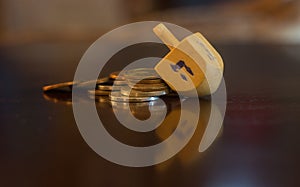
143 84
112 84
135 85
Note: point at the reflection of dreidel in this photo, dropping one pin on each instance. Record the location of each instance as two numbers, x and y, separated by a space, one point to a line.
191 63
205 133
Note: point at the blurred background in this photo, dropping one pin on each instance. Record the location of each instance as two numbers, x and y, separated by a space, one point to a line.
275 21
42 41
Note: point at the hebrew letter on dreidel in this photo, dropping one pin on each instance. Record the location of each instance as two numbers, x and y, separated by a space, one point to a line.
193 57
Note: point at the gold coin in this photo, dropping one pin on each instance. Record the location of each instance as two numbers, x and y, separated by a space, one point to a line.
120 82
99 92
67 86
93 82
141 73
145 81
108 87
137 93
148 87
117 96
115 75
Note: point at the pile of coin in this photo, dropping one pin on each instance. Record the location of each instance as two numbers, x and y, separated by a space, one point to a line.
109 85
135 85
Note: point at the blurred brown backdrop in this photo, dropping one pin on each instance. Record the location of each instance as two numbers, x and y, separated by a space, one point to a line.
221 21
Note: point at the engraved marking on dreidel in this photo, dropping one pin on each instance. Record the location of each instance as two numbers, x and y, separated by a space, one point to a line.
180 65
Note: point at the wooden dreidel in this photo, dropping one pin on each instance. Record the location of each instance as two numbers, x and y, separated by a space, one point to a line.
191 63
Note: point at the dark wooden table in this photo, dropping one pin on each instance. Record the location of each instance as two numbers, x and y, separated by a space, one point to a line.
258 146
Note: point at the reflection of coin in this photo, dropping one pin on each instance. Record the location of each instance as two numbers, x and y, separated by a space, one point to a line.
152 105
64 98
137 93
173 94
117 96
99 98
125 106
141 73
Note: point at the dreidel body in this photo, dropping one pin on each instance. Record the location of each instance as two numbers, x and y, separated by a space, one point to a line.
191 63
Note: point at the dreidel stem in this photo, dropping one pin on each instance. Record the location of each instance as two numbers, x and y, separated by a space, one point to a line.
166 36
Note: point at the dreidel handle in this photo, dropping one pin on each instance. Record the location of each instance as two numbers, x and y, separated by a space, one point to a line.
166 36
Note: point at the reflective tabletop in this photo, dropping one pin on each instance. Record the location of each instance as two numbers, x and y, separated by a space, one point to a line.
257 144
